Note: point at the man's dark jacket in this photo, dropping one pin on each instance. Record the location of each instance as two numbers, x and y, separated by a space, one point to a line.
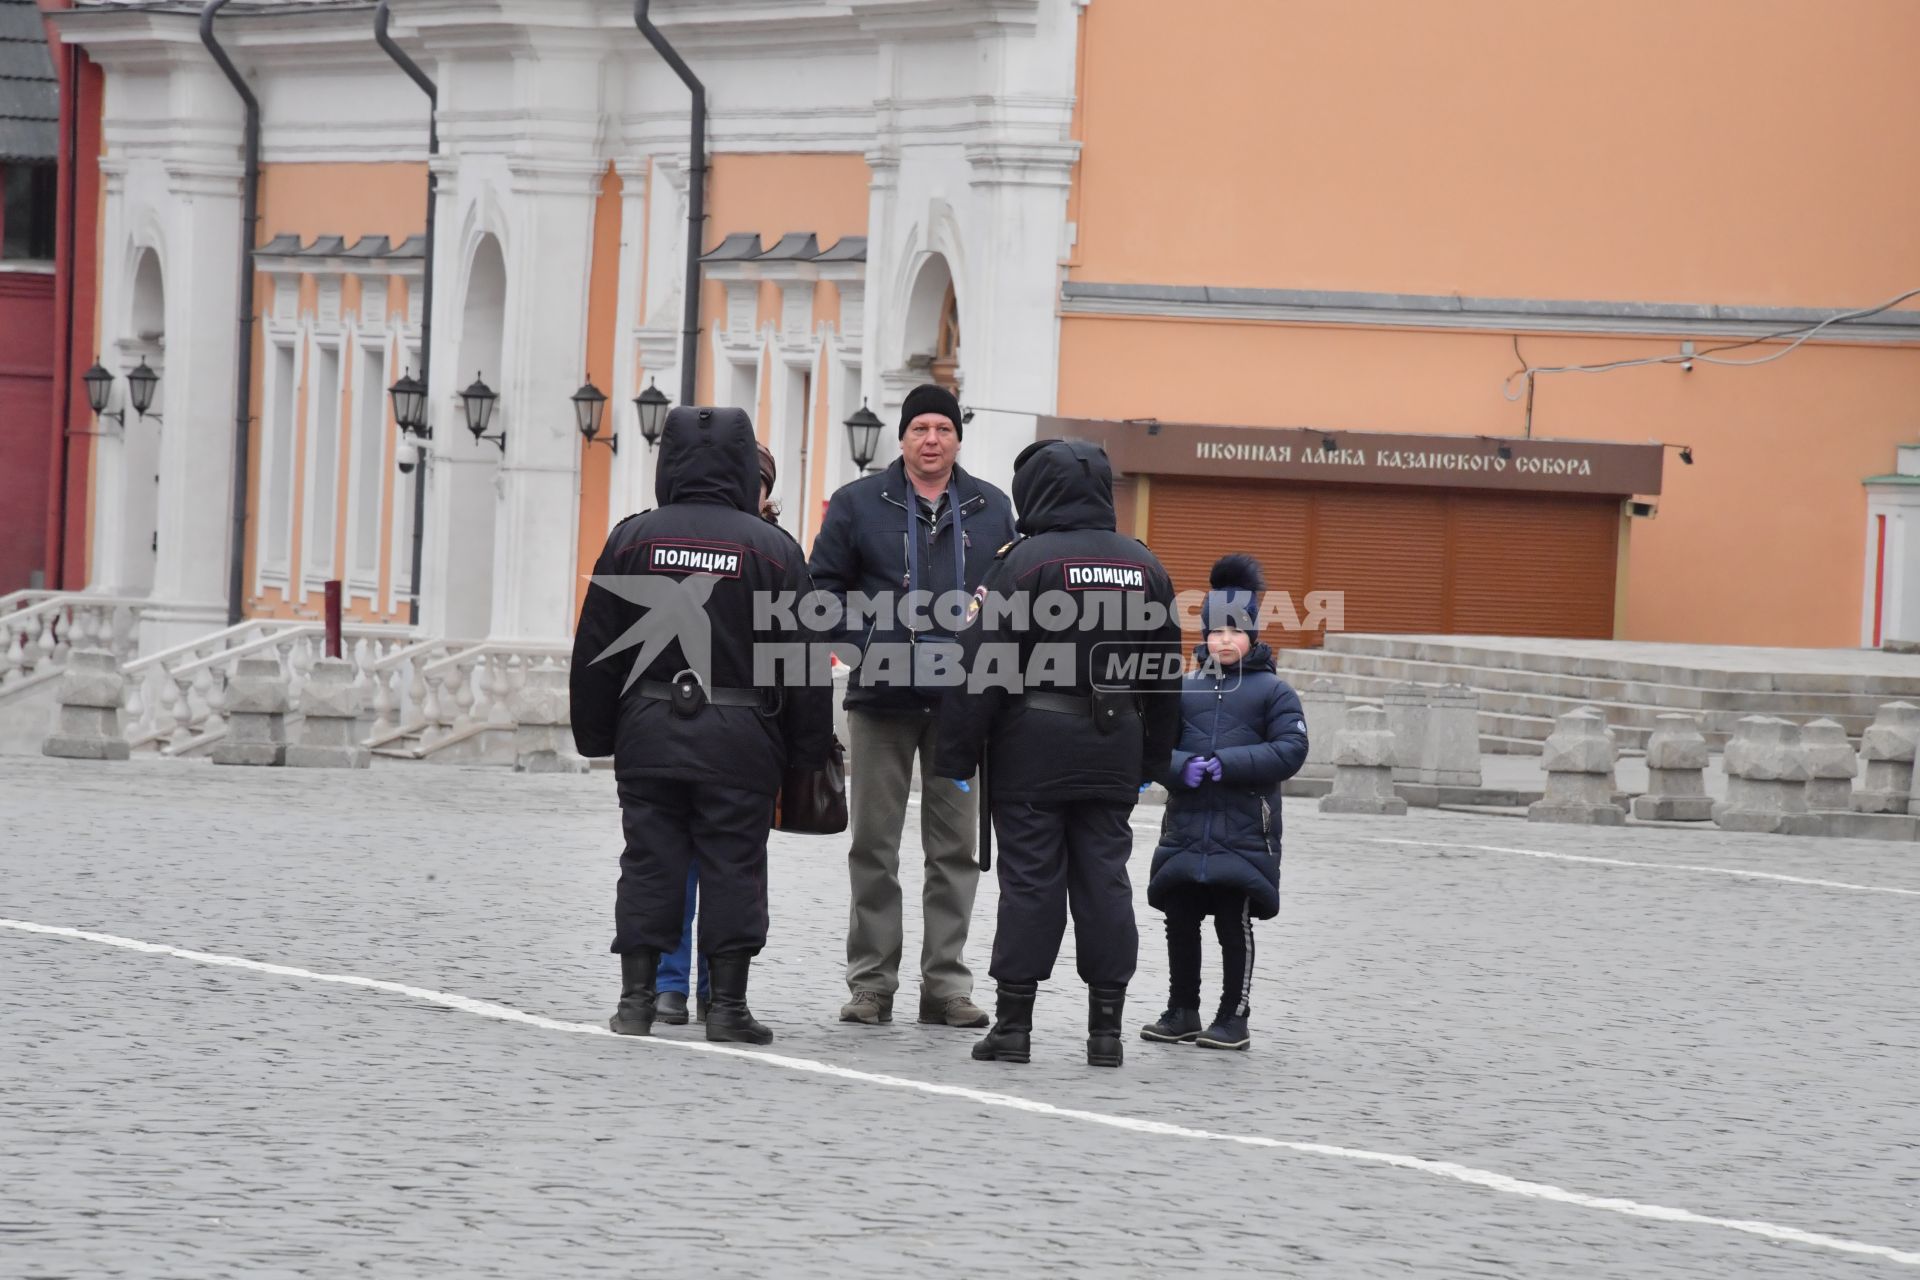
862 547
1064 489
708 486
1226 834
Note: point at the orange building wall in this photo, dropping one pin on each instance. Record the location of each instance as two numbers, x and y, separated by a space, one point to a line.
1506 148
603 305
310 200
1622 149
1758 543
773 194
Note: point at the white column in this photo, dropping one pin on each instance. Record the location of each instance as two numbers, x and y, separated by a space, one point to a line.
544 361
657 353
884 262
630 464
1009 304
196 396
451 448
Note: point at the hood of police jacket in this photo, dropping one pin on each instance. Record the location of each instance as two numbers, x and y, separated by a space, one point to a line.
1063 484
709 455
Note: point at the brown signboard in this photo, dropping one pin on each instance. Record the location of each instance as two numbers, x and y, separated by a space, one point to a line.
1368 457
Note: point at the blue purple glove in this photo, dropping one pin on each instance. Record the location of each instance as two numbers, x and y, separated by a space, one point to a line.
1194 771
1213 768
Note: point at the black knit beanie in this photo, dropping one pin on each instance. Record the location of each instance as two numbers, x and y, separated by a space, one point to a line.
1234 599
931 398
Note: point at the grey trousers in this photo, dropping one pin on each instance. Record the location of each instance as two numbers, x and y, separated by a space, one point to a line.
881 751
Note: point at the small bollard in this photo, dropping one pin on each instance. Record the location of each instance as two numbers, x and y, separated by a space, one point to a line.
1363 765
87 726
1450 756
256 715
1888 748
1579 760
1831 765
543 740
1676 773
1324 708
329 736
1766 775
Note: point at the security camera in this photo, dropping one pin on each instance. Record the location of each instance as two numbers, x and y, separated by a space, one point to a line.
1643 510
407 457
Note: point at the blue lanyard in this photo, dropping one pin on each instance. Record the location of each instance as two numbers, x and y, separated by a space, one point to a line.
913 538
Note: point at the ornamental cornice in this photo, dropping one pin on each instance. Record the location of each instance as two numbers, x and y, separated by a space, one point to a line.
1030 164
943 19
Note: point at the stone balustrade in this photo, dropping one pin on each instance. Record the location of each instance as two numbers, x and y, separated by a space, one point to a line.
38 629
177 698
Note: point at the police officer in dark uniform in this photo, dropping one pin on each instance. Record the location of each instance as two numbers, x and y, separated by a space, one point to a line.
664 680
1073 678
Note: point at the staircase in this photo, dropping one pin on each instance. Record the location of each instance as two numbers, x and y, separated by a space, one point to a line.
434 699
1525 683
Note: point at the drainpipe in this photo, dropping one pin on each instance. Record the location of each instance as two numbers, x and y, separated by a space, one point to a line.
66 256
696 198
427 86
243 377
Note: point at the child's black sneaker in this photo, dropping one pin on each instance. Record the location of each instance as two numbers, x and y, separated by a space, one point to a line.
1226 1033
1176 1026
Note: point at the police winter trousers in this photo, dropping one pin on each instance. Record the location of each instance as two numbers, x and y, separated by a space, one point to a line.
881 754
1233 926
671 826
1056 858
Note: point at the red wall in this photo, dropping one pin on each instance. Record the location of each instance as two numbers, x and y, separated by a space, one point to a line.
26 409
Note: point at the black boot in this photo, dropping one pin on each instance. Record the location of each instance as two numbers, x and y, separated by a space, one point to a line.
634 1017
1103 1025
729 1020
1011 1039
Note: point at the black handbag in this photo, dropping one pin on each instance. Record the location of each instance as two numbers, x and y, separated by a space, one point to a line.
813 802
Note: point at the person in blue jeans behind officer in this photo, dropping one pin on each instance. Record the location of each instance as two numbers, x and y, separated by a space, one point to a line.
1242 734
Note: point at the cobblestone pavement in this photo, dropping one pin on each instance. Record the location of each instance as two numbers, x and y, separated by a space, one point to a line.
1740 1048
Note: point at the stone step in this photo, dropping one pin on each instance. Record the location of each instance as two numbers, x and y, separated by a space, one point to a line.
1632 710
1791 704
1507 654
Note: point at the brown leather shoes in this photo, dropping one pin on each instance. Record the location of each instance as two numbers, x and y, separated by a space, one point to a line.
954 1011
870 1007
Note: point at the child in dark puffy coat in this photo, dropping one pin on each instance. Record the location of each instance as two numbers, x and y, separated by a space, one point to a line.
1242 734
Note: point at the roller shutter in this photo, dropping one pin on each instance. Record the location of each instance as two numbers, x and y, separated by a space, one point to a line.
1407 560
1534 565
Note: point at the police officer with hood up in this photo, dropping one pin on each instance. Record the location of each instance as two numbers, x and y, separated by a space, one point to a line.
1073 676
664 681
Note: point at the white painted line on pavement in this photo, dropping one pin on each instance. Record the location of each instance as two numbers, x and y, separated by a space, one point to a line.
1440 1168
1653 866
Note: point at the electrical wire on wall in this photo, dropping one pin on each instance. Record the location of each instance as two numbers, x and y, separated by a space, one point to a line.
1801 334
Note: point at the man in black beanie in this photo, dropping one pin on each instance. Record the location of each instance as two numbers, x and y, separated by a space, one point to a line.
922 528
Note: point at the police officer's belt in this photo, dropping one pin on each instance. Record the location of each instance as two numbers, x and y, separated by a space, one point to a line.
1097 707
718 697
